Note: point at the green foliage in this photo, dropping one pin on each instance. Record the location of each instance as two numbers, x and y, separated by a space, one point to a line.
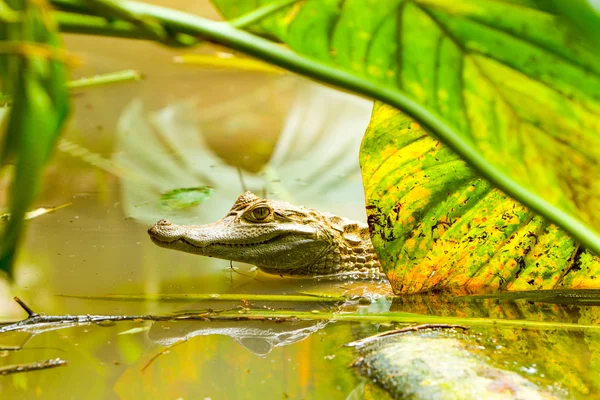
33 73
521 87
437 225
178 199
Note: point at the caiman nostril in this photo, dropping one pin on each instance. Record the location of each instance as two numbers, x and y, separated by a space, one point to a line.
161 226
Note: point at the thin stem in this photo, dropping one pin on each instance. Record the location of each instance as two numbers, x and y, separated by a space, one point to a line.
113 10
92 25
36 366
165 351
98 80
227 35
25 307
215 297
69 22
106 79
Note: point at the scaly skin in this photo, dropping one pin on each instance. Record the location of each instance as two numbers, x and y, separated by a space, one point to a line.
277 237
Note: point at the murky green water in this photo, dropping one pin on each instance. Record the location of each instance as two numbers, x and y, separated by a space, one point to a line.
183 127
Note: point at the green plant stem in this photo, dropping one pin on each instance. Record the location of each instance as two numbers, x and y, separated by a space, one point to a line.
215 297
98 80
113 10
227 35
69 22
105 79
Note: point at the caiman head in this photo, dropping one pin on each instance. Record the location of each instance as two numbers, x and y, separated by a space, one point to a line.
276 236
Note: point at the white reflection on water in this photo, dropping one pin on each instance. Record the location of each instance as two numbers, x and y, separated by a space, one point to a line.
314 162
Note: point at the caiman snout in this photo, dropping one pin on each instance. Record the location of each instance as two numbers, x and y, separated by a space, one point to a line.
164 231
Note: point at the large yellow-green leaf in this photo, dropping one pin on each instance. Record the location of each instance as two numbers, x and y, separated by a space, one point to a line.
436 224
521 88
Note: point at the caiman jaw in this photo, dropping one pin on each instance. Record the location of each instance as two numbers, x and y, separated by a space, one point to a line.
285 247
164 233
167 241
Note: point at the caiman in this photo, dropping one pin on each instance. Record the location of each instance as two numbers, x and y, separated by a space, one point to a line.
279 238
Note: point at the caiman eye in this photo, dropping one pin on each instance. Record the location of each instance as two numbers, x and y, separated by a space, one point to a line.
260 213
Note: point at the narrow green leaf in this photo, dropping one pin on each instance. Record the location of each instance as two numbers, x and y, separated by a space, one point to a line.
105 79
36 80
90 82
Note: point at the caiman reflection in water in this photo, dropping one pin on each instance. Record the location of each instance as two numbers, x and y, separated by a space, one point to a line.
258 337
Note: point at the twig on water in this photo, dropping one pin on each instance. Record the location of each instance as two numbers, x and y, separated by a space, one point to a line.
165 351
36 366
20 348
28 310
413 328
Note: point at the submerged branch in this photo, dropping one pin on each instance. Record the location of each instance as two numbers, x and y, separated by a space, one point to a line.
36 366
